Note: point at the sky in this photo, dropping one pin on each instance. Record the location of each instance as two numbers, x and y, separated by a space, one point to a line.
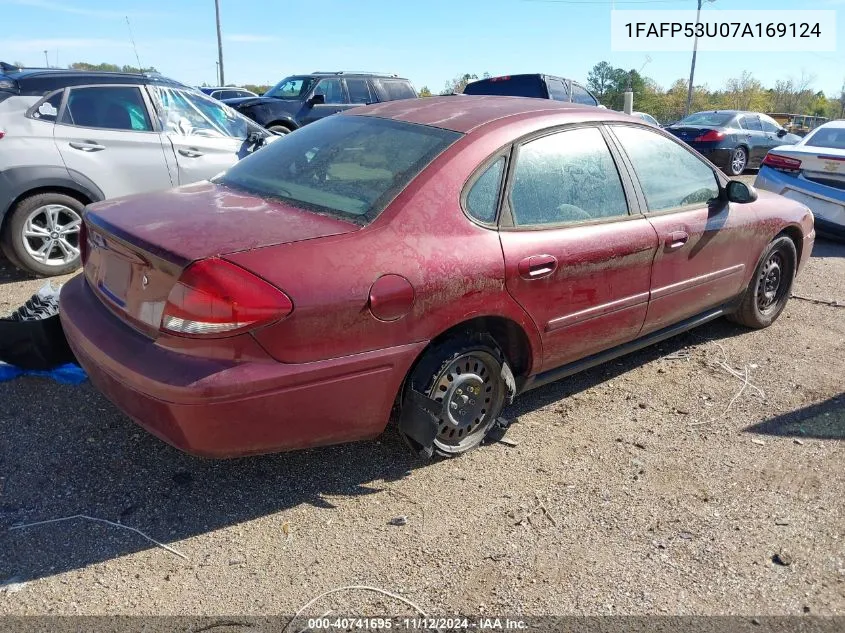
429 43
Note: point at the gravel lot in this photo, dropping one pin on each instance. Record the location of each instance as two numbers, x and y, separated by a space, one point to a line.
633 488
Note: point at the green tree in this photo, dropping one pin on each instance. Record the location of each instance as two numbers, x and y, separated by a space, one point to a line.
458 83
600 79
105 67
425 92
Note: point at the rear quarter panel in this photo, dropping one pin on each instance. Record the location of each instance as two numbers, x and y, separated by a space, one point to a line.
455 267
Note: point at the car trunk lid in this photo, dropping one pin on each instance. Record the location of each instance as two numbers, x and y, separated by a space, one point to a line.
823 165
138 247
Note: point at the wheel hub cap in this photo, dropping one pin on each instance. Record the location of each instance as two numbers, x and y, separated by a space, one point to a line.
463 401
770 280
51 234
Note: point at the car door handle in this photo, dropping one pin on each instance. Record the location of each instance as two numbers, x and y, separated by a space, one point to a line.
676 239
537 266
87 146
191 152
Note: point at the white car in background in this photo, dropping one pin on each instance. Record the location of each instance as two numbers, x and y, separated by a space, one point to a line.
813 173
69 138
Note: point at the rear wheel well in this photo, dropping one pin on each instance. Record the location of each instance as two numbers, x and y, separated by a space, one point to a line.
73 193
510 337
286 124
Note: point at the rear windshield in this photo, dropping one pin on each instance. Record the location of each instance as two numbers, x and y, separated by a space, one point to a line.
516 86
715 119
346 166
830 137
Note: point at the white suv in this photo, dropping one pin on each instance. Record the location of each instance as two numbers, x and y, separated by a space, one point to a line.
69 138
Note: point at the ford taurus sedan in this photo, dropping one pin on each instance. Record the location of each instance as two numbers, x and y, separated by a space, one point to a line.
433 257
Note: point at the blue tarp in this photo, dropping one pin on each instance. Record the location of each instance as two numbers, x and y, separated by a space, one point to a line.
68 374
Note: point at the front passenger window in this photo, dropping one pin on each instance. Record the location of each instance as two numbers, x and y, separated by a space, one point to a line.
331 90
566 177
670 175
110 108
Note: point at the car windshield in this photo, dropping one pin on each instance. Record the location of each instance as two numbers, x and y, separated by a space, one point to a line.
516 86
829 137
347 166
714 119
291 88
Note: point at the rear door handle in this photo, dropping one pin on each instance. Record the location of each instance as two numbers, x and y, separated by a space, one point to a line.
191 152
537 266
87 146
676 239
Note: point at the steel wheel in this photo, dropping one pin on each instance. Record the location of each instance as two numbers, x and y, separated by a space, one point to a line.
738 161
472 395
770 286
50 235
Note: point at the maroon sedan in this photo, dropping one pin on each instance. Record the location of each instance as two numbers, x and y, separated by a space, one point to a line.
435 256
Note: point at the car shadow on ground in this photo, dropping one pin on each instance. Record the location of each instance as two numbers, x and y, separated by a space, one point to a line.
66 450
9 273
823 421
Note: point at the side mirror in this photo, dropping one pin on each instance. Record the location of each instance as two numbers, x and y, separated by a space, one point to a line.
782 133
317 99
740 192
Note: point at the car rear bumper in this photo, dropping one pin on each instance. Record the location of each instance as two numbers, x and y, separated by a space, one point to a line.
218 408
827 203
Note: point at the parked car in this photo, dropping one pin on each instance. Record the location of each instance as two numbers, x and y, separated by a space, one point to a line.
645 116
69 138
734 140
226 92
439 257
813 173
533 85
301 99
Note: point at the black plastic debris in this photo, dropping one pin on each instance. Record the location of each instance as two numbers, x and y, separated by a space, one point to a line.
32 337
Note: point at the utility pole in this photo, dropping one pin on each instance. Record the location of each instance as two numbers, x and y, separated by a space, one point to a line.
694 53
46 59
217 76
220 42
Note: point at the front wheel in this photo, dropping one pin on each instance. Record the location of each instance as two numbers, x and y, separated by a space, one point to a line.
770 287
464 377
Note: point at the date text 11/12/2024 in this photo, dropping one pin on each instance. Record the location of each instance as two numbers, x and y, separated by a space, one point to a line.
417 624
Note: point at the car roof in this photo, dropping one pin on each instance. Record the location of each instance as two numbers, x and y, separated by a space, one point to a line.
467 112
58 78
838 123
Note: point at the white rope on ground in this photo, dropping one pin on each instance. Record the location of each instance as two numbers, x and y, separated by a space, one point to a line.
98 520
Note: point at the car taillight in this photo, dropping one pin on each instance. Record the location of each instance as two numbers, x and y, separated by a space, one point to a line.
710 136
783 163
215 298
83 242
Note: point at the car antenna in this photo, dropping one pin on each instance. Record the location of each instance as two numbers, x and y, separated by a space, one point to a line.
134 48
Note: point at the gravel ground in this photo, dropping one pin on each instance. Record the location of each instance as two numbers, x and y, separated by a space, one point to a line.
654 484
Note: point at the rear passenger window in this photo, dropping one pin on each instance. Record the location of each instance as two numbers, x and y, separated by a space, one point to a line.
48 110
566 177
118 108
483 197
359 91
397 89
670 175
580 95
557 90
752 123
